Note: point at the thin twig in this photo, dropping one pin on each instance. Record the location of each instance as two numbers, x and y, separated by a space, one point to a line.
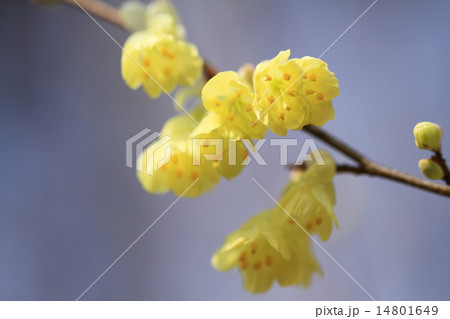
440 160
369 167
209 70
111 14
366 166
99 9
336 143
345 168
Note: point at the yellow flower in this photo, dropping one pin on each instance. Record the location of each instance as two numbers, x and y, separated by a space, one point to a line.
233 151
319 86
230 98
310 198
204 156
159 62
290 94
132 15
265 253
279 101
179 172
162 17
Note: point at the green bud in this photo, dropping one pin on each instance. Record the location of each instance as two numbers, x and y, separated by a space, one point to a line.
428 136
162 17
431 169
132 14
246 72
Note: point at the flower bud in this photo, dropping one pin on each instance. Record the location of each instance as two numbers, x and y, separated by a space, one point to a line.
296 173
431 169
132 14
246 72
428 136
162 17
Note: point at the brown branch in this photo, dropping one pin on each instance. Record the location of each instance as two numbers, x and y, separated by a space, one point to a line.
110 14
369 167
99 9
345 168
338 144
209 70
440 160
366 166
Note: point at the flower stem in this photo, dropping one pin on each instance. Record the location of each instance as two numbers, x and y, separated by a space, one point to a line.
438 158
369 167
99 9
365 167
110 14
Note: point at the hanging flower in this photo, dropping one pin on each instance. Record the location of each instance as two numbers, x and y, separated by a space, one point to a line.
229 98
265 251
178 171
159 62
309 198
290 94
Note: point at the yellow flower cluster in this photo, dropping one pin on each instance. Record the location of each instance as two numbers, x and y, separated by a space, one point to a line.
293 93
187 164
265 251
190 159
285 94
229 99
270 246
158 58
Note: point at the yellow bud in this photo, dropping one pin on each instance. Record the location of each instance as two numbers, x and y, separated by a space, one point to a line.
296 174
431 169
428 136
132 14
246 72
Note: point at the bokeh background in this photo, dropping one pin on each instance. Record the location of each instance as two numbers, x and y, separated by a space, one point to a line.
69 206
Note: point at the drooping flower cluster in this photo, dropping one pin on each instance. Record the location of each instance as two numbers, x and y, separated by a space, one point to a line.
242 106
172 163
196 149
284 94
265 251
271 246
188 167
231 110
157 57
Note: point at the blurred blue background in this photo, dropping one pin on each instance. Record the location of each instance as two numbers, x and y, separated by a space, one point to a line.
69 206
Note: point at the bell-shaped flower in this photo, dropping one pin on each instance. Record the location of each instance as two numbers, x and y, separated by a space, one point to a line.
264 252
310 197
223 147
159 62
320 86
229 97
168 163
290 94
279 101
